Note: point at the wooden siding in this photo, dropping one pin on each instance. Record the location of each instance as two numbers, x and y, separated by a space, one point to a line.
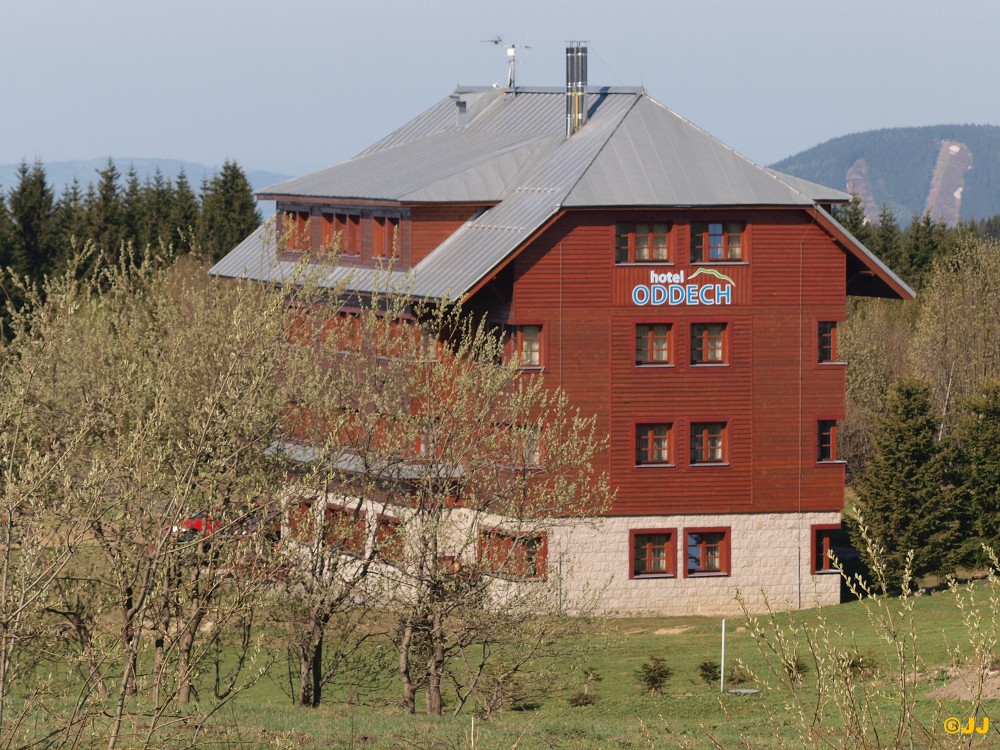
430 225
770 393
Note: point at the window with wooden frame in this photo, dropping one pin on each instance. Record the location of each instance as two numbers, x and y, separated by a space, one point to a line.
653 444
654 344
301 520
344 529
718 242
653 553
385 237
527 345
296 230
642 243
822 546
513 555
708 442
709 344
389 542
826 440
342 234
707 551
826 337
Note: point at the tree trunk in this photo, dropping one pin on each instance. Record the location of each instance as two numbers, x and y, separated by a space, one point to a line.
317 671
409 692
435 666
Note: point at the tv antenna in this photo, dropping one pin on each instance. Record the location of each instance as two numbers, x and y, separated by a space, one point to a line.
498 41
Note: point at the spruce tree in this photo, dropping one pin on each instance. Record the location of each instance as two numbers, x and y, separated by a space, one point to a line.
71 226
228 211
157 207
184 216
32 206
901 494
132 208
887 240
923 241
978 469
105 211
852 216
6 235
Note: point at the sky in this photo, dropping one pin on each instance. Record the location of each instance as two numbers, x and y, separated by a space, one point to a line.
299 85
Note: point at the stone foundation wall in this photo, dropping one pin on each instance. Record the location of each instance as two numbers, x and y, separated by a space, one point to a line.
770 555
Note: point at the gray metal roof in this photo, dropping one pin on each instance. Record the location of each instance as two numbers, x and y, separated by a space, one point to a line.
509 149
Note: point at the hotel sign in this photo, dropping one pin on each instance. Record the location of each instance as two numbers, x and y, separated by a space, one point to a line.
675 289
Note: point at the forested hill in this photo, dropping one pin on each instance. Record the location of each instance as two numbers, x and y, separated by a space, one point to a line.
953 171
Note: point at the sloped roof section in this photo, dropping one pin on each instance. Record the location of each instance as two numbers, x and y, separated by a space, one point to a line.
657 158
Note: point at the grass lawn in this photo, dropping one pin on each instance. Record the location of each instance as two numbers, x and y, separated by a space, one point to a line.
689 713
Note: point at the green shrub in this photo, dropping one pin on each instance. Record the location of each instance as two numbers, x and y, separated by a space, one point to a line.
710 671
653 674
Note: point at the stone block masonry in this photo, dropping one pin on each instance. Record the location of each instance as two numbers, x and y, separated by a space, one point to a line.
769 555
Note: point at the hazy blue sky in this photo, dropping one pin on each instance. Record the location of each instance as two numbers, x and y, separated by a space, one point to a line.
297 86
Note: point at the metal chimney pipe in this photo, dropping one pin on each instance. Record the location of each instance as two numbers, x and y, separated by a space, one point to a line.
576 87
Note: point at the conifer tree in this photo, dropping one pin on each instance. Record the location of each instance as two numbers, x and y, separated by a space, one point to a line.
887 239
31 210
901 495
923 241
132 207
852 216
978 468
71 223
6 235
228 211
157 207
184 215
105 213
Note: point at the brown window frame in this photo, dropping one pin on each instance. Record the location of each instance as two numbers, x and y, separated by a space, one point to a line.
702 245
296 229
703 432
646 339
646 438
826 441
346 226
702 339
632 238
496 547
354 538
826 342
385 237
723 554
821 542
389 543
519 340
640 541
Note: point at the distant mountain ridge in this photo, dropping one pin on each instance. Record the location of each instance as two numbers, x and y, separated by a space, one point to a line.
60 174
953 171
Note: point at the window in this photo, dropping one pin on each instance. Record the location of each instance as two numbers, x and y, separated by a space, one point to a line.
717 241
827 340
826 440
707 551
822 545
385 237
388 539
653 344
344 529
296 230
342 234
652 444
513 555
709 344
527 342
654 553
708 443
642 243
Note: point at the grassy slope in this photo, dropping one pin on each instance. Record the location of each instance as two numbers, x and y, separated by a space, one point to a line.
685 716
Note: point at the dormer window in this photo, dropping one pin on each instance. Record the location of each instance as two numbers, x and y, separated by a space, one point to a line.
342 233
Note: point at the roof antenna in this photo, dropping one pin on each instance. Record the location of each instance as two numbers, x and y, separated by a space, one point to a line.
511 57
